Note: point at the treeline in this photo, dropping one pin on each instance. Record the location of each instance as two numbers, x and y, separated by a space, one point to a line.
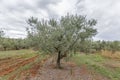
13 44
86 46
97 46
51 35
70 33
107 45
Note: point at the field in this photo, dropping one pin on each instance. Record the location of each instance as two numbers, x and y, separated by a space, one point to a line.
29 65
15 65
105 65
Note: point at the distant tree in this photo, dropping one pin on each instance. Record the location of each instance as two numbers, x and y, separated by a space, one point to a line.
1 33
6 43
115 46
60 36
11 43
106 45
85 46
19 44
97 45
1 38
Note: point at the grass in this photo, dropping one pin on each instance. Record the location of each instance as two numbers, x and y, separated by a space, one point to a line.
23 54
96 62
109 54
22 68
16 53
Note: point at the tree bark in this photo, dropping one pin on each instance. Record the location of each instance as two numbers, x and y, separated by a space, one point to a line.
58 60
5 48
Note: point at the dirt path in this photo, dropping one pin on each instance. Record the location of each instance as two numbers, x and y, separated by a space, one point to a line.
70 71
33 71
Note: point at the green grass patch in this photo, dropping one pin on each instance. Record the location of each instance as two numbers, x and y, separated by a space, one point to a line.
23 68
95 62
17 53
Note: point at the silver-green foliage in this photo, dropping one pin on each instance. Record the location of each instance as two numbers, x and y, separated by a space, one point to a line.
60 35
1 33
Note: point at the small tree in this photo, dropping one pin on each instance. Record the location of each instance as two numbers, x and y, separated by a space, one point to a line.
1 33
115 46
61 36
1 38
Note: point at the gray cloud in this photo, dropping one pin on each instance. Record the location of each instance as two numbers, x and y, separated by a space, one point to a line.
14 13
107 13
44 3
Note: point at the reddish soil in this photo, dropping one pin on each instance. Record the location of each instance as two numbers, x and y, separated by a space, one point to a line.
46 70
7 60
36 67
9 68
70 71
32 72
7 63
12 77
112 63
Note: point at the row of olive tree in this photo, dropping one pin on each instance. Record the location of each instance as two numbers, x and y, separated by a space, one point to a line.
12 44
106 45
60 36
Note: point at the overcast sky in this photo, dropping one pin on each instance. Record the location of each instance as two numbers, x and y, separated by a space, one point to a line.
14 13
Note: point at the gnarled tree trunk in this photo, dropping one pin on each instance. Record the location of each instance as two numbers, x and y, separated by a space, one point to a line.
60 56
58 59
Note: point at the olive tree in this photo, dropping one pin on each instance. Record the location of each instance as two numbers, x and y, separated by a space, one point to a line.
1 37
1 33
115 46
61 36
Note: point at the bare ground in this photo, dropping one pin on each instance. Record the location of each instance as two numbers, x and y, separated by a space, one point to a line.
70 71
6 68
